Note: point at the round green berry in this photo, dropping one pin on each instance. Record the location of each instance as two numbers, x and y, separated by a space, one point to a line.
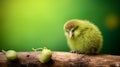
11 55
45 55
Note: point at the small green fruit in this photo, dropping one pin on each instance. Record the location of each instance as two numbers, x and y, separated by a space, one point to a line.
45 55
11 55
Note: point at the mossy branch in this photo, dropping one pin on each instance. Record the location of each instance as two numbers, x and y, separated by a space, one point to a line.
61 59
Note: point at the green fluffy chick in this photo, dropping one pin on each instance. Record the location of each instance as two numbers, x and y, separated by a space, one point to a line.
83 36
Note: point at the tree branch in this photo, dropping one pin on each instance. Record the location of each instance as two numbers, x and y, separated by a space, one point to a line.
61 59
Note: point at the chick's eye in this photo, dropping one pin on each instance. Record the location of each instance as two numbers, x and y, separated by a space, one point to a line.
75 28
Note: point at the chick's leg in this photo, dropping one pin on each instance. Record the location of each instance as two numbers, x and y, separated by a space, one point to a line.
76 51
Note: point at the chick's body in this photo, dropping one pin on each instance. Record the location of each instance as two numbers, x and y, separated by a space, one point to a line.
83 36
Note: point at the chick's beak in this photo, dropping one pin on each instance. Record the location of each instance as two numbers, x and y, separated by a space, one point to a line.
71 34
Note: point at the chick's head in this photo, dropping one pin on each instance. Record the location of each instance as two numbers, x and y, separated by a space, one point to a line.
73 28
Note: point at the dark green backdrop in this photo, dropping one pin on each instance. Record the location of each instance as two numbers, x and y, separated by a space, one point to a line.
25 24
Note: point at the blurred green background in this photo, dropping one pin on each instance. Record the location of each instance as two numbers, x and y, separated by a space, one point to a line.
25 24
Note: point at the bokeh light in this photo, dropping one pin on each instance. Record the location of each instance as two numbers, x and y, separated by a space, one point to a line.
112 21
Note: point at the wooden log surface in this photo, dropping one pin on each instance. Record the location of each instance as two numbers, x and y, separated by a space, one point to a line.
61 59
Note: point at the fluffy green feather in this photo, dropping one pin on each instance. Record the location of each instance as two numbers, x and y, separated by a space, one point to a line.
83 36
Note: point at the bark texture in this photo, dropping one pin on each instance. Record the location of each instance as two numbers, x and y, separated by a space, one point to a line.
61 59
